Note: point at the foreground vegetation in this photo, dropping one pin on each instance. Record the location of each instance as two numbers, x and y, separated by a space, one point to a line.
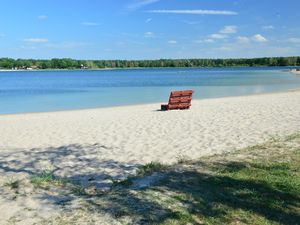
66 63
256 185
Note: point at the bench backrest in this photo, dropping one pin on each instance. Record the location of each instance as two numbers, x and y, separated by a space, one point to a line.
180 99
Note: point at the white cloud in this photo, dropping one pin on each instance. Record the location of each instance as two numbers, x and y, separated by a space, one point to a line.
259 38
269 27
141 3
149 34
196 12
89 24
148 20
42 17
243 39
229 30
36 40
209 40
172 42
254 38
294 40
218 36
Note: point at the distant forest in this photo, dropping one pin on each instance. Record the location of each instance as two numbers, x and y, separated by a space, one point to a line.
66 63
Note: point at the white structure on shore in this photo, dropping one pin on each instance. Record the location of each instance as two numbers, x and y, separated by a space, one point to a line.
296 71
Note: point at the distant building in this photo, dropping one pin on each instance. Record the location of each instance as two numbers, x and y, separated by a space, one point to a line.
30 68
296 71
33 67
83 67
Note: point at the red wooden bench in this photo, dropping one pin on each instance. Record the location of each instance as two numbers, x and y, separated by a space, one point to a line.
179 100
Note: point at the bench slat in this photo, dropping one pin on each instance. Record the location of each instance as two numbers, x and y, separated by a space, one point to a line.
180 99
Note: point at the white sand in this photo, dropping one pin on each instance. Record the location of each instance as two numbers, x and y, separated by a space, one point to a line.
94 144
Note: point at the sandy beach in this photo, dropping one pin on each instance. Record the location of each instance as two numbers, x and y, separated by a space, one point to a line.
141 133
94 145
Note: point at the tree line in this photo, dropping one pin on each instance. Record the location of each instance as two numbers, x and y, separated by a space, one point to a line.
67 63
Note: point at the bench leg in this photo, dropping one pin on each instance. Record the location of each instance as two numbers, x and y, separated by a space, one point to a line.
164 107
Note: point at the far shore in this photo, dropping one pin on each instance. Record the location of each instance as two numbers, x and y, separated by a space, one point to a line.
287 68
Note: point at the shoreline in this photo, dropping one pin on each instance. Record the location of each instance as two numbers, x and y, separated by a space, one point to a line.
140 68
297 72
123 123
146 104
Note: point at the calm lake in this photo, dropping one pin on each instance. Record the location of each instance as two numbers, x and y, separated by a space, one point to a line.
40 91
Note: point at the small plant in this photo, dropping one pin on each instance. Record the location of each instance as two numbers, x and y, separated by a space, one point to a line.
13 184
45 178
150 168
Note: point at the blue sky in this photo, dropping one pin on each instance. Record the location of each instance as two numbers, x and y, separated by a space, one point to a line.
149 29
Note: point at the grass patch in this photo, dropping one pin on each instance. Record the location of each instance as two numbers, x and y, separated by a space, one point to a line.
245 191
151 168
46 178
13 184
256 185
231 189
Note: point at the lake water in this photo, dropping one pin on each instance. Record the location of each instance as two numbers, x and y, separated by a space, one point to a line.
40 91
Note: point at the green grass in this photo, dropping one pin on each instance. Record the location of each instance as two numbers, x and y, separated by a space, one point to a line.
13 184
256 185
46 178
151 168
256 191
